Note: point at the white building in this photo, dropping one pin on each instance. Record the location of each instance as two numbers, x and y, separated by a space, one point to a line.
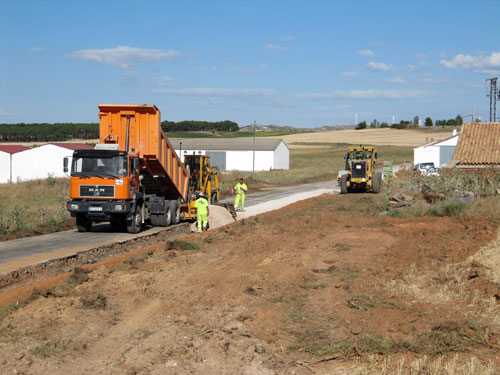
43 161
6 152
240 154
438 152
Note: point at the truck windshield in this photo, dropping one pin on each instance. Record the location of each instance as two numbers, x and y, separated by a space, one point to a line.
115 166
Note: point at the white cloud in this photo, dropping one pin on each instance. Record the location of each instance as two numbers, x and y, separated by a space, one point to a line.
287 38
3 113
123 56
244 70
162 80
212 68
36 49
372 94
350 74
479 64
396 80
436 81
366 52
421 55
276 47
205 91
380 67
412 68
263 65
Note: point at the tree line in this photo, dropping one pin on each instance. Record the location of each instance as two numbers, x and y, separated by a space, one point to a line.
192 126
408 124
45 132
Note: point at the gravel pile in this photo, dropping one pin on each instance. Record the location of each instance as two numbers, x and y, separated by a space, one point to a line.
218 217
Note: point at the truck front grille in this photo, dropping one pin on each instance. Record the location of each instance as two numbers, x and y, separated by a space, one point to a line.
93 191
359 169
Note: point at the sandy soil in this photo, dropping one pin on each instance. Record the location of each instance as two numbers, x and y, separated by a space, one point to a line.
395 137
309 287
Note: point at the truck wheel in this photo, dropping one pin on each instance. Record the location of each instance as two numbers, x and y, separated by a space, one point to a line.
377 182
175 210
166 218
135 225
155 220
83 223
214 198
343 184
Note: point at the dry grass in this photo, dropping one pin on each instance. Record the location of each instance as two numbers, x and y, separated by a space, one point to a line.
394 137
386 365
489 256
28 206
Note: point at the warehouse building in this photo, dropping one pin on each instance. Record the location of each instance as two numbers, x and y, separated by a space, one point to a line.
438 152
240 154
43 161
6 153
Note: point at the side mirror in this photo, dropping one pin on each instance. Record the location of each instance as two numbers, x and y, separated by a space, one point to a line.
65 164
136 164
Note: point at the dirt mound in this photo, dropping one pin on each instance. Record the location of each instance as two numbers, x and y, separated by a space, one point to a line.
320 284
219 216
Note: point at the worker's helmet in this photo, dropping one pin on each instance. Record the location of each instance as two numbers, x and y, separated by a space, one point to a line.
201 194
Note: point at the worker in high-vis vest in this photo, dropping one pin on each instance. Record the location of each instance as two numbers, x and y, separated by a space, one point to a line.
240 189
202 212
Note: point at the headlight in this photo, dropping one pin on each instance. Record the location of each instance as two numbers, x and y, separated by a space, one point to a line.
73 206
118 207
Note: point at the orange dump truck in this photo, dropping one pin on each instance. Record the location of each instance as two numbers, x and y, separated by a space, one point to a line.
133 175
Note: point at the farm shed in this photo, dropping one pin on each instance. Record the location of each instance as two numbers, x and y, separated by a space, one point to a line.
479 146
43 161
237 154
438 152
6 152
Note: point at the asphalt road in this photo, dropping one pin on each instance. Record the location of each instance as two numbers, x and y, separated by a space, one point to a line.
15 254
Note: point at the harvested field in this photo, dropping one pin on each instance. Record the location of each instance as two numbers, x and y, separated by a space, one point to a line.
322 286
394 137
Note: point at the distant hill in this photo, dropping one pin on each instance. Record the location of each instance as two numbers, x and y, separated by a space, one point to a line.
249 128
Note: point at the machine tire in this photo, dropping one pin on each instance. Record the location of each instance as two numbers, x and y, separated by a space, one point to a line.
343 184
83 223
165 219
213 199
175 211
155 220
377 182
135 225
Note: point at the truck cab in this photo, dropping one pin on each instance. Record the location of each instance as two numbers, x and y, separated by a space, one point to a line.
104 186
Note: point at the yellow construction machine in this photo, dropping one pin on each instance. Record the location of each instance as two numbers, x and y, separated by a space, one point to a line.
203 179
359 173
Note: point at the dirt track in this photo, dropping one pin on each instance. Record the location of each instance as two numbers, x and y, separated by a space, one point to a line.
267 296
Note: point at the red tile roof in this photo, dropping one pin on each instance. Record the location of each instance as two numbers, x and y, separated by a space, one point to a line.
74 146
479 144
12 149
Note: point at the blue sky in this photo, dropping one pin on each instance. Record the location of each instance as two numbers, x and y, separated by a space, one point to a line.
299 63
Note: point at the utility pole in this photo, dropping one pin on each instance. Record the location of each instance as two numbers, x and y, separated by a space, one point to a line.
356 119
253 164
494 96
